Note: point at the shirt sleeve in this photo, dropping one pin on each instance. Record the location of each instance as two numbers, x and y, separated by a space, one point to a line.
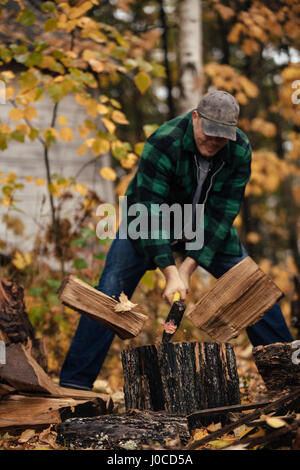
221 209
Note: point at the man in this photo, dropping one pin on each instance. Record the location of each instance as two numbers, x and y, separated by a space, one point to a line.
197 158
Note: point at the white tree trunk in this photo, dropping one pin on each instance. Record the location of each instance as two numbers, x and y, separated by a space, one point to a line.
190 52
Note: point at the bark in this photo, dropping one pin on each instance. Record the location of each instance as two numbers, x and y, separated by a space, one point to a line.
15 326
129 431
190 52
180 377
279 365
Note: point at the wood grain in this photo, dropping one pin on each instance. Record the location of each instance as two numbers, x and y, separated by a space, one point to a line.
237 300
100 307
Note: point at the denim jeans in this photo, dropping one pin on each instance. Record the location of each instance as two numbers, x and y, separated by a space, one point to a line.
122 272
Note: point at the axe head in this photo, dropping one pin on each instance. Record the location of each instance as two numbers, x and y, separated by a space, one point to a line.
173 320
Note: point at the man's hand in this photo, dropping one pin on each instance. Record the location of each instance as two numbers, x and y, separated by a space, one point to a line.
174 284
186 269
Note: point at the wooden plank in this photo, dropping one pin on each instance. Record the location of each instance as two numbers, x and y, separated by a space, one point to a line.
237 300
21 410
100 307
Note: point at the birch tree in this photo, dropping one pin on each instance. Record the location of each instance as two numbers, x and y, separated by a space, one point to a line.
190 54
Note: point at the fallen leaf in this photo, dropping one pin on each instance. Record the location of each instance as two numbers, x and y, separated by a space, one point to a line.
26 435
214 427
275 422
124 304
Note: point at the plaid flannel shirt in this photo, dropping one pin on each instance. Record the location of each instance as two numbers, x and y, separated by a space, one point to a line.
167 173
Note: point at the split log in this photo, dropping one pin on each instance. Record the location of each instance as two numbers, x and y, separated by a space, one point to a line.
129 431
15 326
279 364
237 300
20 410
89 301
180 377
23 372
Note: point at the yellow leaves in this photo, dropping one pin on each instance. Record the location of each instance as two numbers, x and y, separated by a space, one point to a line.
100 146
30 113
66 134
142 81
102 109
267 172
40 181
235 32
81 189
274 422
110 126
16 114
224 11
81 10
129 161
249 87
62 120
108 174
253 237
250 46
268 129
21 261
226 78
9 92
82 149
119 117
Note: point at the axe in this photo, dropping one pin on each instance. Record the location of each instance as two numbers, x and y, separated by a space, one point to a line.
173 319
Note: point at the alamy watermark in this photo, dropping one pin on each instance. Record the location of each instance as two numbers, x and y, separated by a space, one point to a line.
151 221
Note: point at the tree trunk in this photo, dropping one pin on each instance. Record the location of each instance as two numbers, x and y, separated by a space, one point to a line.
130 431
180 377
190 52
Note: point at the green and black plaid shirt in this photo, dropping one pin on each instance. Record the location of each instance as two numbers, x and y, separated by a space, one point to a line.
167 173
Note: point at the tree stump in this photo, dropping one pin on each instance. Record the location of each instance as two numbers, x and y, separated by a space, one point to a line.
180 377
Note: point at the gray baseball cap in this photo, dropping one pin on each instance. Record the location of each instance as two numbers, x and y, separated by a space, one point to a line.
219 111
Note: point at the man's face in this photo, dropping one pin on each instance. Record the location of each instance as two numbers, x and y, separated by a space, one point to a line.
207 145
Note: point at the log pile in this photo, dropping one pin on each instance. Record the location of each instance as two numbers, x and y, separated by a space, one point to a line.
28 396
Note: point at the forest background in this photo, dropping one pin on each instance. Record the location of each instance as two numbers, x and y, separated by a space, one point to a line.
132 65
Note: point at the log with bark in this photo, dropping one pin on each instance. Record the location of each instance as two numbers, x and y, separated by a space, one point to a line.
124 317
130 431
15 326
279 364
180 377
237 300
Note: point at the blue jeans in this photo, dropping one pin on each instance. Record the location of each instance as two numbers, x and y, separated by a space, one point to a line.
122 272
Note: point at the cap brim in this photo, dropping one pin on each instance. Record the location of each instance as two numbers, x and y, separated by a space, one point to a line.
218 130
